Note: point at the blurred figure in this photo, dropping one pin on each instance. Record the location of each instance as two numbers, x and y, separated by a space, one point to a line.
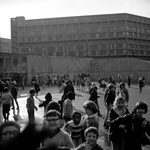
56 135
8 132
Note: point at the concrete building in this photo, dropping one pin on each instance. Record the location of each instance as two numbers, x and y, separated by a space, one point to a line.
98 44
5 45
114 35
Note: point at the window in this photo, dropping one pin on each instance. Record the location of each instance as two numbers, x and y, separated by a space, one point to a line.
15 61
24 59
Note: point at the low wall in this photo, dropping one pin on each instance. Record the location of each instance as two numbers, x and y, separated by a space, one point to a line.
96 67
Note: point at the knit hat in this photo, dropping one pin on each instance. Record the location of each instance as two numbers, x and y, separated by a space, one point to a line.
54 114
52 105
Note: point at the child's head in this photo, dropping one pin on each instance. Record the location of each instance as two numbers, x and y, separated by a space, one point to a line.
140 109
91 135
52 121
70 95
90 108
76 117
53 105
48 96
32 92
8 131
119 102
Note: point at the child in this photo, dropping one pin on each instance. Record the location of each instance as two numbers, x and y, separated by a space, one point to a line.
31 106
68 107
91 136
48 98
9 130
91 117
75 128
56 136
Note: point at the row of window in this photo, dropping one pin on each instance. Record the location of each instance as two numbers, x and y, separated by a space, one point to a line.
13 60
84 30
71 49
82 36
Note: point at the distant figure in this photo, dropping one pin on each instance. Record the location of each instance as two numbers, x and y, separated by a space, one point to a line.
23 82
36 87
129 81
14 92
109 98
141 84
123 91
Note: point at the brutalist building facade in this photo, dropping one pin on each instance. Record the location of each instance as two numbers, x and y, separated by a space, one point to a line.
121 35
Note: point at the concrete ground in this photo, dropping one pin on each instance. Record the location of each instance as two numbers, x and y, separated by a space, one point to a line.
81 97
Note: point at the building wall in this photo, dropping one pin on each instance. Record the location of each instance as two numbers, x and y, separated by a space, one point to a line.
102 67
123 66
82 36
12 63
5 45
95 67
57 65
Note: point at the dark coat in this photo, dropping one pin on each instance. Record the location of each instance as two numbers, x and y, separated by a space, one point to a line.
83 145
133 131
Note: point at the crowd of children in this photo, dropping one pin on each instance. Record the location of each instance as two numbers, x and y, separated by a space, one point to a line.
66 127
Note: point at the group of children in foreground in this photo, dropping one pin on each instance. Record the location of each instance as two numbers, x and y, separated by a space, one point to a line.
80 132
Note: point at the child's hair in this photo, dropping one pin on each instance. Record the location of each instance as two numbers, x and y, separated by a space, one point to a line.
32 91
91 106
52 105
7 124
48 96
141 105
70 95
53 113
91 129
118 99
76 113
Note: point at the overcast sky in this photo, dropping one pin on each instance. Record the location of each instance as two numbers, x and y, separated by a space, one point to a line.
34 9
